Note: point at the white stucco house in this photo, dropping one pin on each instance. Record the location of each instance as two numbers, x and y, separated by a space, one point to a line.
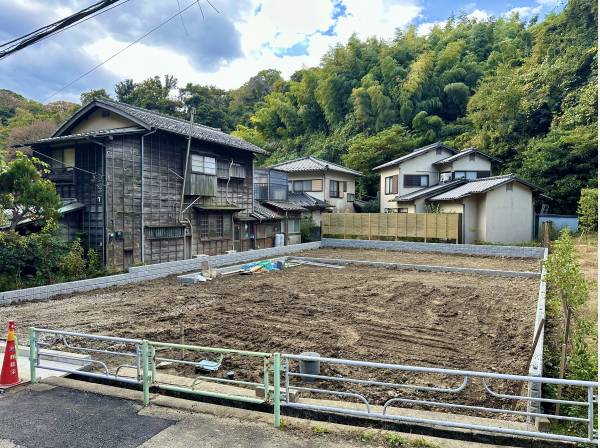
437 177
333 184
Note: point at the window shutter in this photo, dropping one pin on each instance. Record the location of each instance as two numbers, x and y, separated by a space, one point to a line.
395 184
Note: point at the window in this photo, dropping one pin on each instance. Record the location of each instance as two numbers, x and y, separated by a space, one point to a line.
350 197
391 185
390 210
302 185
472 157
402 210
62 158
223 169
509 187
298 186
238 171
416 180
164 232
293 226
438 151
211 226
204 165
471 175
334 189
481 174
215 226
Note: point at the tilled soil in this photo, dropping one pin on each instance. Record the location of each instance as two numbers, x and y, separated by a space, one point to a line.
467 261
415 318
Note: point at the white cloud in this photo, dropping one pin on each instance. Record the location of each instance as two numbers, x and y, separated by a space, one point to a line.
425 28
479 15
524 11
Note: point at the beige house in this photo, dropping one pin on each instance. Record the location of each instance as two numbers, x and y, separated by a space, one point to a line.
333 184
496 209
437 177
427 167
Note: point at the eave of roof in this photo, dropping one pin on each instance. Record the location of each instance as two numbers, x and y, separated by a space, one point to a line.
307 201
310 163
285 206
264 213
83 136
429 191
226 208
483 185
415 153
464 153
155 120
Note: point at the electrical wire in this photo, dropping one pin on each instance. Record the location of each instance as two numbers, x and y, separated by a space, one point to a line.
97 66
30 38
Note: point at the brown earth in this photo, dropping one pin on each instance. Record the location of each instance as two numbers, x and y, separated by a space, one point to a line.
501 263
417 318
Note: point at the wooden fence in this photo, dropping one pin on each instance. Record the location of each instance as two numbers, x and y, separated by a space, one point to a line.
393 226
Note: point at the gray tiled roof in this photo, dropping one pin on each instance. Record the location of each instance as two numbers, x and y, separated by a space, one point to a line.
263 213
85 135
429 191
285 206
480 186
312 164
415 153
155 120
307 201
464 153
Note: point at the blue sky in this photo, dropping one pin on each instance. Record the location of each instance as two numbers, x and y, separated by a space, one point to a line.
221 48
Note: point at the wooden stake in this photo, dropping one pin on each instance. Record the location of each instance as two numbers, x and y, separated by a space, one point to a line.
538 333
181 338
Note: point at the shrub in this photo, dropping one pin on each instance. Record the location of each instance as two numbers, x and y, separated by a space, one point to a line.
371 206
308 229
73 266
587 210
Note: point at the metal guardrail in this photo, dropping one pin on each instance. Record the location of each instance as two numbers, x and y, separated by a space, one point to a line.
464 379
156 347
47 338
146 355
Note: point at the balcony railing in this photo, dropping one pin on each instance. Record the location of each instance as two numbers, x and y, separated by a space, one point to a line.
62 175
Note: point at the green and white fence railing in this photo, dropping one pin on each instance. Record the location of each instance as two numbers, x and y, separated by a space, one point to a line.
143 357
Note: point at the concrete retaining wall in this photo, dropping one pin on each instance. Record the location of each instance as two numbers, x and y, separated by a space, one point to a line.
419 267
464 249
149 272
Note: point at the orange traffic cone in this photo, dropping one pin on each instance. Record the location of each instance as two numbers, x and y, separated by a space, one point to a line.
9 375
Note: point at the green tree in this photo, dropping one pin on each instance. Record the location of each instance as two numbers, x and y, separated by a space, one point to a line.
587 209
94 94
25 193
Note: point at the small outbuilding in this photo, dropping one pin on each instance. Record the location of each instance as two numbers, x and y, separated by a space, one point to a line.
498 209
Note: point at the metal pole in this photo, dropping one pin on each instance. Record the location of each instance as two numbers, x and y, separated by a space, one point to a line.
277 389
145 384
153 363
591 413
266 377
32 356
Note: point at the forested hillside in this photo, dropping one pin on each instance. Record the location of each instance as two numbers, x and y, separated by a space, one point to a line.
524 92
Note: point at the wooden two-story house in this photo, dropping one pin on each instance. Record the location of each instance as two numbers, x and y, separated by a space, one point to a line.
142 187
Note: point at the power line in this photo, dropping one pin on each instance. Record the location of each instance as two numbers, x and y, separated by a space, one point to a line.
80 22
34 36
97 66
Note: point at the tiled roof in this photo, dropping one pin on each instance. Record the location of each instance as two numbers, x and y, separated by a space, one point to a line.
464 153
312 164
480 186
85 135
429 191
307 201
155 120
415 153
284 206
263 213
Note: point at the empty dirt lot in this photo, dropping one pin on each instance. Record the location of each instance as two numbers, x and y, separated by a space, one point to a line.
417 318
467 261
